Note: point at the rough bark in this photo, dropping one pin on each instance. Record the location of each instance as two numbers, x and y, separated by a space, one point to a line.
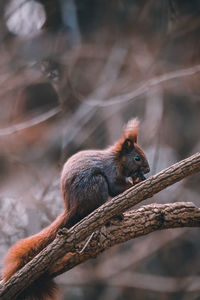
136 223
68 240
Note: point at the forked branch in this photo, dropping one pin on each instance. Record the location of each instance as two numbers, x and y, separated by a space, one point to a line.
142 221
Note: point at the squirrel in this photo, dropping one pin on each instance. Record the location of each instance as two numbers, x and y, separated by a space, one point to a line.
88 179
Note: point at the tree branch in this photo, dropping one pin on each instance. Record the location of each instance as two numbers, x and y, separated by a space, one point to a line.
68 240
150 282
145 86
30 123
142 221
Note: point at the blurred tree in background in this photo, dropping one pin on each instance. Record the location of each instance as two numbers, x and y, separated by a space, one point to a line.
72 73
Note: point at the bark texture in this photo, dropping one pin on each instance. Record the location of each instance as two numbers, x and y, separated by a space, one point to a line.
136 223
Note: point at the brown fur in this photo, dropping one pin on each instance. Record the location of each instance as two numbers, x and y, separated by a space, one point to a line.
23 251
88 179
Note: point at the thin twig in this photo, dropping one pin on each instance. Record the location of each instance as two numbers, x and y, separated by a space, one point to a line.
34 121
145 86
86 244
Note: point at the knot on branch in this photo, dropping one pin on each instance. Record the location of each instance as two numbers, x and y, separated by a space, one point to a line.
63 232
160 218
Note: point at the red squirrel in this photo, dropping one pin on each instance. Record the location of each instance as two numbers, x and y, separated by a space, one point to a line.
88 179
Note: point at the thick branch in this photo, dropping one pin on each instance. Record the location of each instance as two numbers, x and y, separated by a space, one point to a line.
136 223
68 240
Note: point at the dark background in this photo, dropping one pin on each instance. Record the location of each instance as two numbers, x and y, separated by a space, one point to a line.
78 71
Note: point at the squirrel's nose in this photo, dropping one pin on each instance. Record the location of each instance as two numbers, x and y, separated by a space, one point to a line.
146 169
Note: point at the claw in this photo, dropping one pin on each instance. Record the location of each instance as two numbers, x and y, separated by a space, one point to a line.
141 176
129 180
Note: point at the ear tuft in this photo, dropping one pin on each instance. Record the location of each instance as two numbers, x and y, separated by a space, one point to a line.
128 138
130 131
127 146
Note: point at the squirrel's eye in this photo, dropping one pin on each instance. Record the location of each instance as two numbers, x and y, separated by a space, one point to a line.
137 158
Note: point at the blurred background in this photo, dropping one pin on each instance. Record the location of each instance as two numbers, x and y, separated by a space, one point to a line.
72 73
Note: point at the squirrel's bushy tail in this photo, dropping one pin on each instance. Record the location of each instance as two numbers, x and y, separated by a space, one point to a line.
23 251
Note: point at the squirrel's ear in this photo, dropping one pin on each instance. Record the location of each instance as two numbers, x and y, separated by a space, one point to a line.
130 131
127 146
